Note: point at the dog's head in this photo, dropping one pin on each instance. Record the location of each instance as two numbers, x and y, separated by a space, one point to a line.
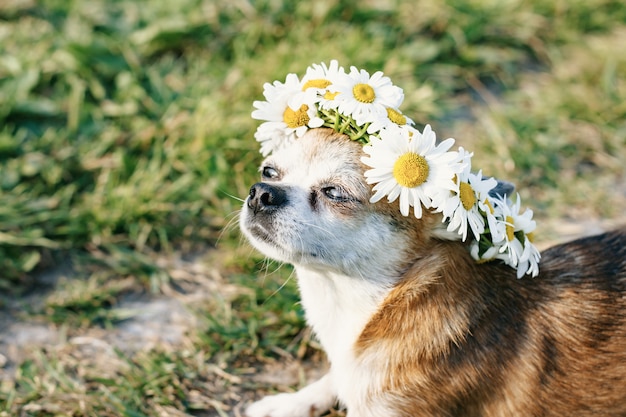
312 208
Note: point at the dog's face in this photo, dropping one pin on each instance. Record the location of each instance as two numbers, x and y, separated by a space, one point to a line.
312 208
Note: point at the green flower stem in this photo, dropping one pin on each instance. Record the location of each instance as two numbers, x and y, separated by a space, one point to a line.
346 123
361 133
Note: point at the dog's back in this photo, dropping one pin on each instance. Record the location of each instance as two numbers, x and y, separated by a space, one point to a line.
462 339
581 327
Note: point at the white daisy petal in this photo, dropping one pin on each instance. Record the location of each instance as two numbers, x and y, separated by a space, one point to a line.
404 202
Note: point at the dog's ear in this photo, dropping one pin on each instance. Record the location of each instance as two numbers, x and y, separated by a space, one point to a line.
503 188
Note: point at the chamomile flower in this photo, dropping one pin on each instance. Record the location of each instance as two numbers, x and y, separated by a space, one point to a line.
277 95
319 77
483 249
286 112
394 116
516 249
451 201
529 260
409 165
496 228
463 206
363 97
271 136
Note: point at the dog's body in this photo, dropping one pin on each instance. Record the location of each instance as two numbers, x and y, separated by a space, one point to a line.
412 325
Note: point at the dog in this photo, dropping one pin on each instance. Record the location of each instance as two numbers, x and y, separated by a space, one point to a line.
412 325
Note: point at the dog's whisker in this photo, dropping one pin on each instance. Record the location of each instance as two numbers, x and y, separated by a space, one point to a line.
315 226
267 263
287 280
234 197
230 225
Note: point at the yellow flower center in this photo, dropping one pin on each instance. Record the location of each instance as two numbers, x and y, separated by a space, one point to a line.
364 93
298 118
484 261
410 170
318 83
330 96
491 210
396 117
467 195
510 228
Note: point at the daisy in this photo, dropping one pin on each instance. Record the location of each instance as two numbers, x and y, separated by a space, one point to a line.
394 116
516 249
495 227
483 249
529 260
463 205
315 83
272 137
408 165
449 203
276 95
364 98
287 114
319 77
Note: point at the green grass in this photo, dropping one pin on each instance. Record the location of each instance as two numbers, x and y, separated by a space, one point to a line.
126 138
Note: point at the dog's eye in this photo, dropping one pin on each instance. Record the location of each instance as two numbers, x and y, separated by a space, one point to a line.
334 193
269 173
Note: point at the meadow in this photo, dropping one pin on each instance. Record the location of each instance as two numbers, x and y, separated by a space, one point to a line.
126 147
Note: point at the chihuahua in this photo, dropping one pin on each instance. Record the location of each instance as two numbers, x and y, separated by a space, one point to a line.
412 325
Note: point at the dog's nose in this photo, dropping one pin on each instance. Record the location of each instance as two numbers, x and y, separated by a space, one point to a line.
265 197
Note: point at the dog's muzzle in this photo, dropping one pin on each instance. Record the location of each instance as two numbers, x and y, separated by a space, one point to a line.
266 198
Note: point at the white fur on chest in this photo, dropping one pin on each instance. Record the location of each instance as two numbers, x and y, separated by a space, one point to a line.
338 307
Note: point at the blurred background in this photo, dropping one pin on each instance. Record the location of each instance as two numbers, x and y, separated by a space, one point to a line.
126 146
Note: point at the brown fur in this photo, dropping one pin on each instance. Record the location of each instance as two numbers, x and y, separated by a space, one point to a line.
470 340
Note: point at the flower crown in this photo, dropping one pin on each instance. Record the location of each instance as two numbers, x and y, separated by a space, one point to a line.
405 163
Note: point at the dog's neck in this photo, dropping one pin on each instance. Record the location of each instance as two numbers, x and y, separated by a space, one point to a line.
341 308
338 307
